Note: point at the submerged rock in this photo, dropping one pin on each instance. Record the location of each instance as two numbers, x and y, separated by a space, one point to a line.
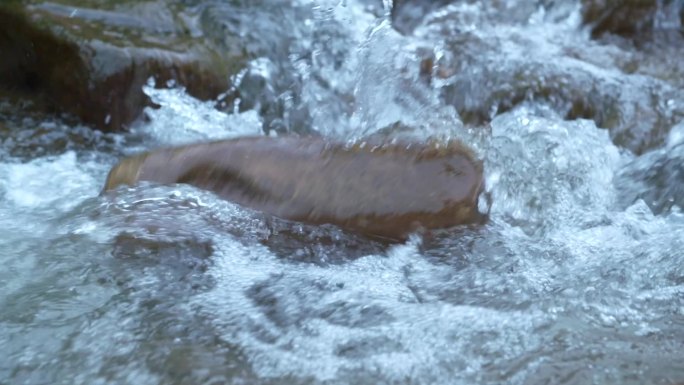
385 191
92 62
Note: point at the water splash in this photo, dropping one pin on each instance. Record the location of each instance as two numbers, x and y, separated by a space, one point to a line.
182 119
576 279
544 172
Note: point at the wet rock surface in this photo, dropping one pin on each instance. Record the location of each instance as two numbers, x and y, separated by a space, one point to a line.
91 59
639 20
486 67
377 189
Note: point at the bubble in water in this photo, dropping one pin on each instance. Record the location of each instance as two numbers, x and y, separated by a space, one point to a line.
547 172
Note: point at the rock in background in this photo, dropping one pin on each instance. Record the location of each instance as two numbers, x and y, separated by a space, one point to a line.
639 20
90 58
486 65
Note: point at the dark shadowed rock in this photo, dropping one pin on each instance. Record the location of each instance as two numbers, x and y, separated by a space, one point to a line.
638 20
93 62
386 191
407 14
649 33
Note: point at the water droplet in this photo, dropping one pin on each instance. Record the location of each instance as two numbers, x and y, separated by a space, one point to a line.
676 135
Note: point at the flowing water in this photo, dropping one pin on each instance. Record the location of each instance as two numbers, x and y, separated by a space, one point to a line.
578 278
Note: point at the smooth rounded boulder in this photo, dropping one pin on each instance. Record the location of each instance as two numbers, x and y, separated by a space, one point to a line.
380 190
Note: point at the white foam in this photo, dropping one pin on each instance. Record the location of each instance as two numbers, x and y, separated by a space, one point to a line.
58 183
676 135
183 119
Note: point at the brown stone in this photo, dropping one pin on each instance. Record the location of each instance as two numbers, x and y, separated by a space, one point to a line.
92 63
385 191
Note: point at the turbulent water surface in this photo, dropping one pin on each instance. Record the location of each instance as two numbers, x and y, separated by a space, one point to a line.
578 277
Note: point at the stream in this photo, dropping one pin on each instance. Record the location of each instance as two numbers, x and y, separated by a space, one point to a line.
577 278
